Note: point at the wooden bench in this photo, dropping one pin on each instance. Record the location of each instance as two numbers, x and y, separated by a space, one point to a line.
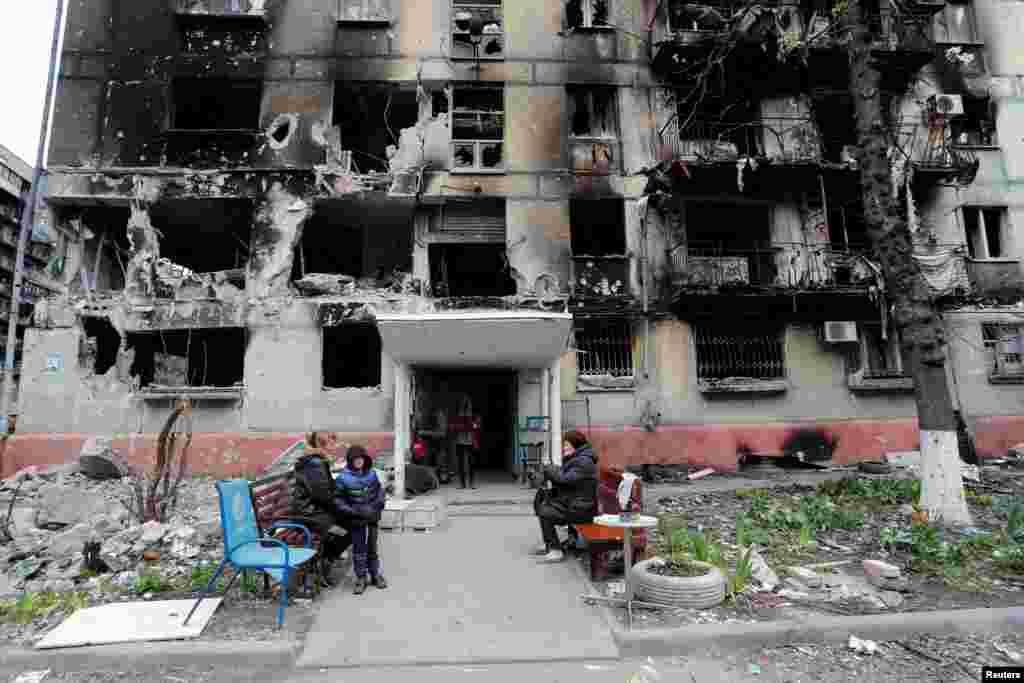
272 502
601 540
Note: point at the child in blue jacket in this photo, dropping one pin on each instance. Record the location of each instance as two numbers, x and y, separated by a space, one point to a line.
361 495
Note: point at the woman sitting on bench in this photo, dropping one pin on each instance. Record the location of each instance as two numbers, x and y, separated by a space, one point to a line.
573 496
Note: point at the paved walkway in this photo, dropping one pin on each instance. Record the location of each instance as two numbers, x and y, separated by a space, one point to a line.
468 593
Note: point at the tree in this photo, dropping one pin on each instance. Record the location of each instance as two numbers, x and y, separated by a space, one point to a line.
850 28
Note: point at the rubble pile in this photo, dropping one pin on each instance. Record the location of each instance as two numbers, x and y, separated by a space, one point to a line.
60 510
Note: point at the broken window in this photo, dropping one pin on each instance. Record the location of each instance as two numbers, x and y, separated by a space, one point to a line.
102 342
345 238
751 351
593 129
728 244
976 127
351 356
718 128
835 119
588 13
459 270
204 235
880 357
478 129
846 227
684 15
189 358
984 230
605 349
1005 344
371 117
477 29
215 104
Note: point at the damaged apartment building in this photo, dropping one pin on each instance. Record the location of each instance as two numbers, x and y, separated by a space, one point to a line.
346 214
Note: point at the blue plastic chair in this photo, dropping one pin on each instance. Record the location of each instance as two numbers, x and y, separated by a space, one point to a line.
244 548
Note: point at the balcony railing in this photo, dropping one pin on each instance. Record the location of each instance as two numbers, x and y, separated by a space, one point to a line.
782 139
600 276
220 8
774 265
933 150
996 277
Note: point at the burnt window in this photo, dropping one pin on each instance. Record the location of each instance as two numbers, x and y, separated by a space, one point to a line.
459 270
593 129
588 13
954 24
684 15
1005 344
371 117
189 358
751 351
717 127
216 104
469 16
351 356
976 127
985 229
101 343
364 11
880 356
204 235
605 348
478 129
846 227
598 227
729 244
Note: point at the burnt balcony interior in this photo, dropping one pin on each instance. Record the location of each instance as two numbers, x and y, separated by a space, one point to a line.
229 9
215 104
593 129
581 15
470 270
366 241
205 235
727 244
370 117
351 356
203 35
179 359
598 244
477 29
101 344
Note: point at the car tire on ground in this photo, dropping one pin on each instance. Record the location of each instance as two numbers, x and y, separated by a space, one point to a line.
697 592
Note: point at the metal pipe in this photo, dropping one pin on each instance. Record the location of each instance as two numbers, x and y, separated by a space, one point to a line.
28 214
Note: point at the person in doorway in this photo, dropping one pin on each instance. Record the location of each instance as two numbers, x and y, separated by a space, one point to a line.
466 441
361 495
313 500
572 498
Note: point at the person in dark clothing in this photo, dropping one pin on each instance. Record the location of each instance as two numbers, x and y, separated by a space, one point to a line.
572 499
361 496
313 500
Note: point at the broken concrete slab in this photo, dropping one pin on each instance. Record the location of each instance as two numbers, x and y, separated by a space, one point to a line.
901 584
62 506
891 599
881 569
153 532
98 460
313 284
809 578
71 541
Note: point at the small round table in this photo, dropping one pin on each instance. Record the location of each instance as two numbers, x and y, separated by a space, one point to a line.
635 521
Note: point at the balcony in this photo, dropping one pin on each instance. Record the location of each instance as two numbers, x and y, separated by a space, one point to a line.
364 12
226 9
935 156
777 265
600 277
780 140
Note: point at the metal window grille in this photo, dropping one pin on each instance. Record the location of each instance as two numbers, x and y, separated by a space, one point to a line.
728 352
606 346
1006 344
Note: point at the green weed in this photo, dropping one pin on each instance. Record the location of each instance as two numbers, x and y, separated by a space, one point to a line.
748 533
201 575
151 583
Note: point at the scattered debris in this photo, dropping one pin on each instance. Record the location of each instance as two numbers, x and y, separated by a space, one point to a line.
761 572
1014 657
98 460
808 577
910 460
970 472
702 473
32 676
862 646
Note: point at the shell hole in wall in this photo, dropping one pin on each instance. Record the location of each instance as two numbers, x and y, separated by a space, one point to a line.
189 358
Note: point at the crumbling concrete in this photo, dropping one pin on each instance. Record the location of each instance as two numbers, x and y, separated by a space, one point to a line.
140 275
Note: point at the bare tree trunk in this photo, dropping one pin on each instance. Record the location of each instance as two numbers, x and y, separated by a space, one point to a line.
921 332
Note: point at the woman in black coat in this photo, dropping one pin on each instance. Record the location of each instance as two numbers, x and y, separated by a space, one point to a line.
572 498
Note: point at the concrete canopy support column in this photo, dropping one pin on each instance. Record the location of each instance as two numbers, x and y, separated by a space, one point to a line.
555 389
545 399
401 426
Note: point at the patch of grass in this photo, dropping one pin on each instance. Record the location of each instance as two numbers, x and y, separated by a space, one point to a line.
1009 558
31 606
748 533
151 582
873 491
201 575
976 498
738 580
751 493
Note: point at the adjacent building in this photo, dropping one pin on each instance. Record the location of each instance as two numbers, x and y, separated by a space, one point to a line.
346 214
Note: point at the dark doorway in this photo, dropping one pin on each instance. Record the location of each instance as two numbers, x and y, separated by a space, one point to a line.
492 393
470 270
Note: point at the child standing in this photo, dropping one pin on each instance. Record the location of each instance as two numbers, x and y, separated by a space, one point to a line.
361 495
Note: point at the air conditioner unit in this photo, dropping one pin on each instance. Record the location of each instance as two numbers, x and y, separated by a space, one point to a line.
947 105
840 332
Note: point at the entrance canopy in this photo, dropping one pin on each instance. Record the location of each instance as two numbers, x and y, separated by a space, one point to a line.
494 339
